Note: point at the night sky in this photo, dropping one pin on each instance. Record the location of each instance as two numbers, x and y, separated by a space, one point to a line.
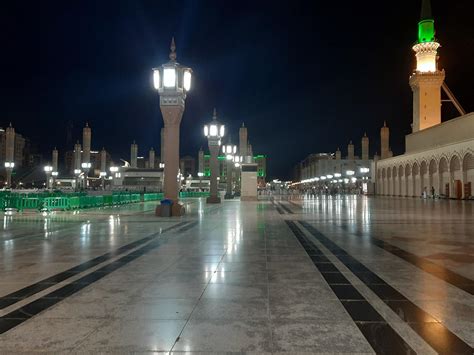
305 77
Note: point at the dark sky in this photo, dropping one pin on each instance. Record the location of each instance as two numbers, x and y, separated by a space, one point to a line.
305 77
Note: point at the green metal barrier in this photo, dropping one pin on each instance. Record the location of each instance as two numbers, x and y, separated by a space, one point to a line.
56 203
185 194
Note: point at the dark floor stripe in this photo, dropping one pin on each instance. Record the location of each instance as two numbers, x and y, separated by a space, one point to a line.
297 205
434 333
16 296
379 334
442 273
29 310
285 208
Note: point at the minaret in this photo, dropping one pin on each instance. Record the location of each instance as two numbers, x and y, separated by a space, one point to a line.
243 141
86 144
9 153
365 147
426 81
162 148
151 159
77 156
338 154
10 144
55 159
133 155
103 160
350 151
201 161
384 141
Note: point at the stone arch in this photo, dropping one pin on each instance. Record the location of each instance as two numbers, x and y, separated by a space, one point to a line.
407 179
443 176
415 182
384 177
433 178
401 177
389 181
455 177
468 174
423 177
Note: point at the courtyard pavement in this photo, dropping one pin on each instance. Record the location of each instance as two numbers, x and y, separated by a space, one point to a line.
317 275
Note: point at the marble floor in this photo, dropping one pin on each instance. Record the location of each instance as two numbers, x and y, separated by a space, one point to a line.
332 275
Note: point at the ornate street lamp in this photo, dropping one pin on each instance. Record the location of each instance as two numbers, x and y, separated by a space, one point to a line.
48 169
214 131
229 151
172 81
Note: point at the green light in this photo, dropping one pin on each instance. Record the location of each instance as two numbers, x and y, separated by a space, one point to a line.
426 31
261 156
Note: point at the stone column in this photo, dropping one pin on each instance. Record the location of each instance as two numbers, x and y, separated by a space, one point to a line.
172 116
214 197
151 159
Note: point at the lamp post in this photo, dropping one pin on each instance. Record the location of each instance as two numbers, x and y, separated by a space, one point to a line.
214 131
200 174
86 167
48 169
172 81
9 165
229 151
114 172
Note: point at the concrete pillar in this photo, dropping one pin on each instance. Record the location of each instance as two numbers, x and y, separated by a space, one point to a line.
365 147
133 155
55 159
77 156
338 154
151 159
243 141
350 151
172 116
103 160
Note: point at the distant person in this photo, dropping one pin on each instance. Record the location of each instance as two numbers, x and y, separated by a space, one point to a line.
432 192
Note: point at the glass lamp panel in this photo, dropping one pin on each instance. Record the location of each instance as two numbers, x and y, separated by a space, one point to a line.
169 77
206 130
222 131
213 130
156 79
187 80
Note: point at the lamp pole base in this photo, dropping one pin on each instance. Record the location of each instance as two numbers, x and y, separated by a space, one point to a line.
228 196
213 199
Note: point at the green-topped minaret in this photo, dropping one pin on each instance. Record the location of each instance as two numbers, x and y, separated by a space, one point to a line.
427 79
426 30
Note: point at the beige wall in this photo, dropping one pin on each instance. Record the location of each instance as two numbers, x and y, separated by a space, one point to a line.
455 130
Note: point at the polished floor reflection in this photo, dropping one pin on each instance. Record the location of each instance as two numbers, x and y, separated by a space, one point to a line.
301 275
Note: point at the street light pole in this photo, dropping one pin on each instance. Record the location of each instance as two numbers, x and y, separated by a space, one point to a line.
172 81
214 131
48 170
